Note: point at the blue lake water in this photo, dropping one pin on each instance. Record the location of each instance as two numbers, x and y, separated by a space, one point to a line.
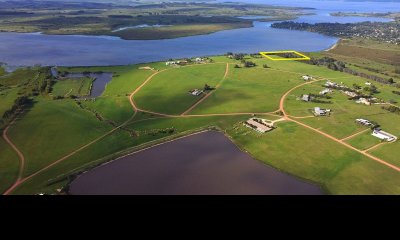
18 49
29 49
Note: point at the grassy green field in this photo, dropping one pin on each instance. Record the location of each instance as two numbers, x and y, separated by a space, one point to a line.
168 91
249 90
52 129
73 87
66 128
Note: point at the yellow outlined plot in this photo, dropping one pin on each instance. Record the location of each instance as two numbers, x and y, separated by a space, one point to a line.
269 54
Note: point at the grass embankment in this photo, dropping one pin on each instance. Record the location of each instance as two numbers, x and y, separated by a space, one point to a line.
73 87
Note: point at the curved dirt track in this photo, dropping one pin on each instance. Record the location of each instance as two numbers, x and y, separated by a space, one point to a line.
20 156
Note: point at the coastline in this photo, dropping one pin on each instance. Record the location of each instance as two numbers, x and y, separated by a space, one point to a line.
334 45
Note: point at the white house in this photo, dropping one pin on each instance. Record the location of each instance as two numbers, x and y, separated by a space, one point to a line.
321 112
325 91
195 92
307 78
364 101
331 84
384 135
259 125
306 98
364 122
350 94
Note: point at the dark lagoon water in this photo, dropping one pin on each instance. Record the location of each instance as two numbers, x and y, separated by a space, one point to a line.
99 84
206 163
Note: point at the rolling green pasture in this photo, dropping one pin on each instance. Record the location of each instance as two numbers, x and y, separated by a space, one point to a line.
67 127
249 90
168 91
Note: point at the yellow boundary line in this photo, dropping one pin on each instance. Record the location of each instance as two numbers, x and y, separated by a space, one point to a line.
267 55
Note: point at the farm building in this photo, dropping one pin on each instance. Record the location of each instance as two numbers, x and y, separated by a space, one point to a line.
195 92
350 94
307 78
321 112
364 122
364 101
259 125
384 135
325 91
306 98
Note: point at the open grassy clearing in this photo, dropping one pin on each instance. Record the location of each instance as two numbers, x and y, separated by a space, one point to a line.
168 93
249 90
72 87
66 128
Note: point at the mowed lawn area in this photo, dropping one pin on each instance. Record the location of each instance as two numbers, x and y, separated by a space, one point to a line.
249 90
168 92
9 165
73 87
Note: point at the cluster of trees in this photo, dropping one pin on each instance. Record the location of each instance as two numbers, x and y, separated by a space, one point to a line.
396 92
329 62
392 109
316 98
208 88
19 104
249 64
370 77
371 89
236 56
